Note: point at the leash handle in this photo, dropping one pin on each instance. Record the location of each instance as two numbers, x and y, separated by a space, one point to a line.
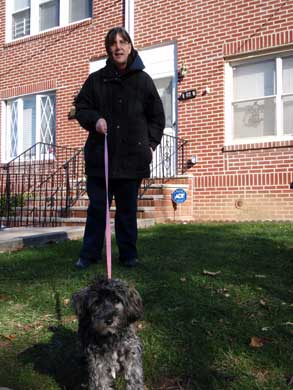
108 227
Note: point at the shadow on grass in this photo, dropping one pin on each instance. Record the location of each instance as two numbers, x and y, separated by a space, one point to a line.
58 359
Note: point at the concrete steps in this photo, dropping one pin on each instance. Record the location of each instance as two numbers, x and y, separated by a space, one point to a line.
155 205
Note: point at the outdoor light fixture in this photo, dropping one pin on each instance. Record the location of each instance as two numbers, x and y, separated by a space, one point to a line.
192 161
182 72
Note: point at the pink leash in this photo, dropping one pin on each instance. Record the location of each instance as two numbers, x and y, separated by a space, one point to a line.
108 227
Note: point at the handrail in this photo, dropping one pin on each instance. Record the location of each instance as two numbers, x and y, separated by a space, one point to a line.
168 161
40 186
32 187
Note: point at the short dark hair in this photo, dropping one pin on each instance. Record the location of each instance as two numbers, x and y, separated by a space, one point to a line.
110 38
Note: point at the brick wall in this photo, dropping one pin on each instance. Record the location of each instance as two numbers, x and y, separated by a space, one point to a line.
58 60
230 183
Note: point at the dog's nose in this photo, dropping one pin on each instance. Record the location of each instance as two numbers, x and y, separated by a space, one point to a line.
109 321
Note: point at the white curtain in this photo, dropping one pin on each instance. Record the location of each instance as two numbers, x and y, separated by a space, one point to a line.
49 14
79 9
288 100
288 75
253 115
20 4
254 80
29 122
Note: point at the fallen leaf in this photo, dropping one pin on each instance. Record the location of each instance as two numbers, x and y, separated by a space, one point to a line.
263 302
4 344
66 301
69 319
183 279
260 276
257 342
210 273
10 337
265 328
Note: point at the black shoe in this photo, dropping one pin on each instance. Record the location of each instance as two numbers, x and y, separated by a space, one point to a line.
130 262
84 263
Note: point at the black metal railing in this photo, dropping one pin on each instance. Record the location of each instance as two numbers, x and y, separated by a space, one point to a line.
37 186
40 186
168 161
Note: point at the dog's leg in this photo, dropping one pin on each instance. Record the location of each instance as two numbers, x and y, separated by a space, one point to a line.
133 369
100 377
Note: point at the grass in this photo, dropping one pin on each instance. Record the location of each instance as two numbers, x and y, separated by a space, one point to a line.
197 328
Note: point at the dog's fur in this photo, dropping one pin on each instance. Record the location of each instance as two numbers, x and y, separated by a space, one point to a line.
106 314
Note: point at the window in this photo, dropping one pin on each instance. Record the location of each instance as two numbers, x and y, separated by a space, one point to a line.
20 18
164 87
261 100
29 17
49 14
29 119
79 9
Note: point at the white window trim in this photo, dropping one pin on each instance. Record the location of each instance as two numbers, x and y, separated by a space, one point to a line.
3 132
129 18
34 18
229 97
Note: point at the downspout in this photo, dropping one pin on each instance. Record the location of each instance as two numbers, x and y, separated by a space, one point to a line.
129 18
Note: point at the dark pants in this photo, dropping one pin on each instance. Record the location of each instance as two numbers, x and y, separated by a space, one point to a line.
125 192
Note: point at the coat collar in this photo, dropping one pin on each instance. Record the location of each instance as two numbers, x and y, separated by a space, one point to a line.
111 72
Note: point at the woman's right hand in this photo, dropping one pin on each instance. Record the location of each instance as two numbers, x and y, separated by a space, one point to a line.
101 126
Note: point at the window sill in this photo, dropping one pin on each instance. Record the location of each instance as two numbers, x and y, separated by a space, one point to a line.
257 146
52 31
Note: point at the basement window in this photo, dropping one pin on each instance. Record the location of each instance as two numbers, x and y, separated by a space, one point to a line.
259 100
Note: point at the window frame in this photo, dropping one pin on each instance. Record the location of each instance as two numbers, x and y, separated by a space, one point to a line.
35 18
6 122
279 94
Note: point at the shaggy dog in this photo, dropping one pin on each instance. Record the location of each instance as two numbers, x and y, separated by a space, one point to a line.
106 314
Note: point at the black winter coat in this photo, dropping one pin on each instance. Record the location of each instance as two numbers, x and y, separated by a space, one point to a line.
135 118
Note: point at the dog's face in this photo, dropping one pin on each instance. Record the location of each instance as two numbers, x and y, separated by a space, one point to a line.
108 306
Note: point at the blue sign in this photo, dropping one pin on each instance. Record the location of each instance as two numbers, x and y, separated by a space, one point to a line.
179 195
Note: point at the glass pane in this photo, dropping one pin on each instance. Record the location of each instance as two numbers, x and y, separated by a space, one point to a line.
254 80
21 24
13 131
164 87
288 114
79 9
48 119
254 119
29 122
49 15
20 4
288 75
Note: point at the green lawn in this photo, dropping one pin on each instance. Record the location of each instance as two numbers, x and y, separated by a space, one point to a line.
218 309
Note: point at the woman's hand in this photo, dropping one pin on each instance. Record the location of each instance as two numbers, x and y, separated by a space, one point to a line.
101 126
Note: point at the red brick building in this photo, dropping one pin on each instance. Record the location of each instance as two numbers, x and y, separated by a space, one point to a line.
236 56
